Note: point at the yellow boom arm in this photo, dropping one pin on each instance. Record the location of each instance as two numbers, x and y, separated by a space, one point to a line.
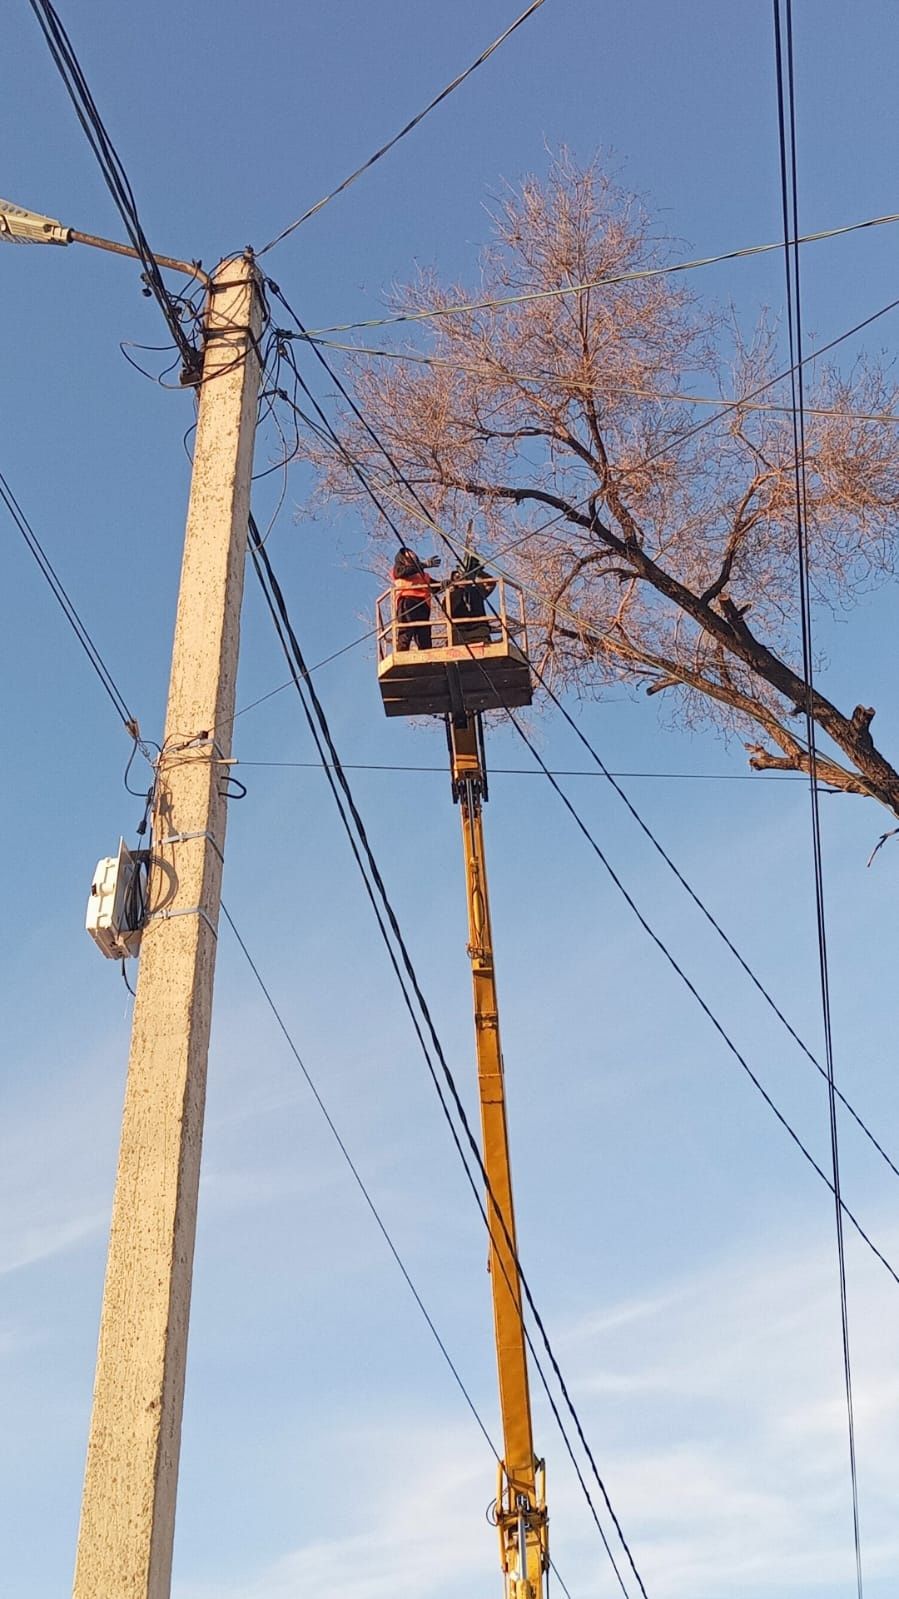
520 1504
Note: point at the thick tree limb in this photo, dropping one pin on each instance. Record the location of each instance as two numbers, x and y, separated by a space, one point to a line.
729 628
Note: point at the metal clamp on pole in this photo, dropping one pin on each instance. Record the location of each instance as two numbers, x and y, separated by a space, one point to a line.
167 915
184 838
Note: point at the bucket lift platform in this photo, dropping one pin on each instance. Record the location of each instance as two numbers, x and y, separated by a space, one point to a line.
472 665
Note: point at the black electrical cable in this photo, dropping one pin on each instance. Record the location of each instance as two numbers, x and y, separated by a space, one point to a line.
527 771
838 1199
409 126
336 775
259 553
357 1177
700 904
843 1208
612 779
290 681
336 441
114 174
67 607
291 647
704 1007
786 113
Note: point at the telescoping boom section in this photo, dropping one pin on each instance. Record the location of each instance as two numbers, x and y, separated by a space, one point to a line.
521 1517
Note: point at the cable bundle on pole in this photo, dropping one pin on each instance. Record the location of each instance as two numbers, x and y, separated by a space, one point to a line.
114 174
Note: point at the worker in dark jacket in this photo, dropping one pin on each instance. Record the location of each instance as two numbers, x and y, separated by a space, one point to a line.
412 588
469 590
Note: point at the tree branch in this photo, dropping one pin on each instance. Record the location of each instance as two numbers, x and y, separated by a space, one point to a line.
729 629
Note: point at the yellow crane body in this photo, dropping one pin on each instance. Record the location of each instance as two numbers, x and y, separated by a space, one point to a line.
520 1503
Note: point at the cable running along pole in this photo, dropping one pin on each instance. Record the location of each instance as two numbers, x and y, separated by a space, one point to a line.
114 174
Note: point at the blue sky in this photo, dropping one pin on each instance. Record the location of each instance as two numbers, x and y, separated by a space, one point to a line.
681 1251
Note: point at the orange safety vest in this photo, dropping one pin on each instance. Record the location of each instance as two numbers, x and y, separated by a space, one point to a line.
416 587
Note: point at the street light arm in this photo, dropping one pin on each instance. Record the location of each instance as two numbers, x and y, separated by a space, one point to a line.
29 227
191 269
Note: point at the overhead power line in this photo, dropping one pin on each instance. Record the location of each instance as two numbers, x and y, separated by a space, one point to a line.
67 606
603 772
639 275
692 989
611 777
114 174
656 939
526 771
358 1179
334 656
419 117
789 182
560 381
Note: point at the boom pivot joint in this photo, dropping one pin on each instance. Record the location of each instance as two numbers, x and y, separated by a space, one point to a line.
523 1527
468 762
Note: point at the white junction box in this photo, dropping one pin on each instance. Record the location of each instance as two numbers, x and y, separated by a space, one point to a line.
115 905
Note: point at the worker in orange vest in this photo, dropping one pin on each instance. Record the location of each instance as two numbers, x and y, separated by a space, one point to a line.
412 588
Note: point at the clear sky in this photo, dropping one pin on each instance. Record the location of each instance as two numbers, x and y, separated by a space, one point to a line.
681 1251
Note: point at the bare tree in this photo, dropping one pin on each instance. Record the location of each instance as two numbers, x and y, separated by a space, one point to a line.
653 551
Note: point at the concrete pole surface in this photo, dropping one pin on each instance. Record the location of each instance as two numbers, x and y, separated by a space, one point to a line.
128 1508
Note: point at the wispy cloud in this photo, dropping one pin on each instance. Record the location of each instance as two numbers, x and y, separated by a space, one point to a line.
24 1240
56 1161
717 1416
724 1430
414 1534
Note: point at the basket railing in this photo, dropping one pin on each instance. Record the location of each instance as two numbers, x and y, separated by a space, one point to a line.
446 627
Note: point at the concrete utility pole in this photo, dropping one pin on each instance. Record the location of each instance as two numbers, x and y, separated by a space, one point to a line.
128 1508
